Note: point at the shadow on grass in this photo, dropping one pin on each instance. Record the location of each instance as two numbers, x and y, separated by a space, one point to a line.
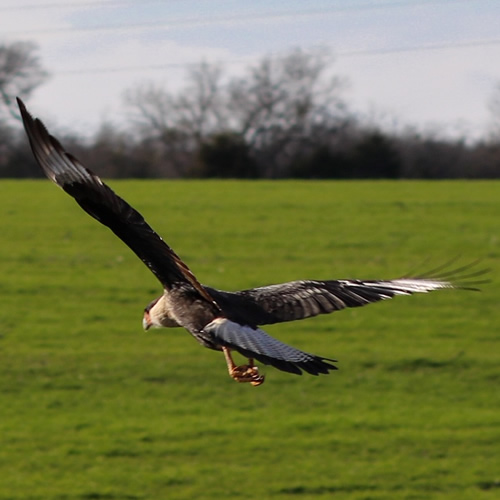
323 490
95 495
418 364
489 485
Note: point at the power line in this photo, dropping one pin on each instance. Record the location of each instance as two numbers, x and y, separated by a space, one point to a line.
132 3
176 23
195 21
421 48
77 5
340 54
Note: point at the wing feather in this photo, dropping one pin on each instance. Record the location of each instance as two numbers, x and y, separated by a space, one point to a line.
100 201
303 299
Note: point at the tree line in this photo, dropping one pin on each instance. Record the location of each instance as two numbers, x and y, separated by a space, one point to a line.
284 117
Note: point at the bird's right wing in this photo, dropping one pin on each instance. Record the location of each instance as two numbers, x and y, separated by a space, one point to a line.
256 343
98 200
303 299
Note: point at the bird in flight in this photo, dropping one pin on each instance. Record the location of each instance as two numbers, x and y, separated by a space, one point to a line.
220 320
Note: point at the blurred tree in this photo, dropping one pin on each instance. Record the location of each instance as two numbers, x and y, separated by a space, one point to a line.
322 163
427 156
195 111
20 73
375 157
117 154
494 107
276 108
175 125
284 104
226 155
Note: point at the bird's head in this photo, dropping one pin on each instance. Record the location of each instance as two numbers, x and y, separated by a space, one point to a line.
156 315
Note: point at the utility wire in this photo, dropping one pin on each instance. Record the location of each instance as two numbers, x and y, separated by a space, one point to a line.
339 54
77 5
196 21
421 48
132 3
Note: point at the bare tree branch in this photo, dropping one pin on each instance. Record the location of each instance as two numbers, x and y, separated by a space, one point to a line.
20 73
275 107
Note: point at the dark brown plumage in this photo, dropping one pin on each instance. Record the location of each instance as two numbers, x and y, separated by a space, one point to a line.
217 319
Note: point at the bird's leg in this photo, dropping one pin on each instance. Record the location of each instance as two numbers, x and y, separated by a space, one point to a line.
243 373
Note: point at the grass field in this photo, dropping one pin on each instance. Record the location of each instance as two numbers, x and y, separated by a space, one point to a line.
93 408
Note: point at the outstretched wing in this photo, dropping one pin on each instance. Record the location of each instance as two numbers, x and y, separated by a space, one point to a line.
98 200
303 299
255 343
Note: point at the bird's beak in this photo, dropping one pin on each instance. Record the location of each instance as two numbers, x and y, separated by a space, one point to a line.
146 323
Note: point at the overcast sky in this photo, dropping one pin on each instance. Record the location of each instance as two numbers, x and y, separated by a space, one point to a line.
424 63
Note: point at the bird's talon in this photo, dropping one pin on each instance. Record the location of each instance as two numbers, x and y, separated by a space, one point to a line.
247 373
258 380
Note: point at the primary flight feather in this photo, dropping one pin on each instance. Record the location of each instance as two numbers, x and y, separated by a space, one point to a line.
219 320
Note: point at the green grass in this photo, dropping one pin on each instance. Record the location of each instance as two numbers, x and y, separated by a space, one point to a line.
93 408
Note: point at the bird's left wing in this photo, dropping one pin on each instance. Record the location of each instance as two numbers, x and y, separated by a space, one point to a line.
303 299
98 200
